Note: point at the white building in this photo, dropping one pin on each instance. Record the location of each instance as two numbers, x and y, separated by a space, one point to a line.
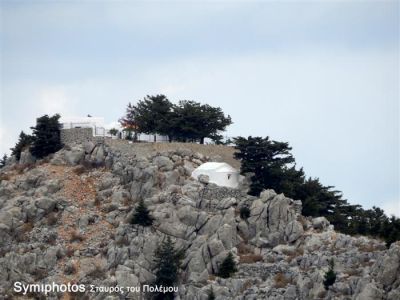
220 173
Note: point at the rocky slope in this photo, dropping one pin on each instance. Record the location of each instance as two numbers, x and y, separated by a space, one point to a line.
61 220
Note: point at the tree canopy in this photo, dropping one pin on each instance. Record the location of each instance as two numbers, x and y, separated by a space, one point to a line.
168 261
46 136
273 167
187 121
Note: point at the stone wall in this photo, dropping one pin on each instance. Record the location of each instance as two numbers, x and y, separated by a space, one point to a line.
76 135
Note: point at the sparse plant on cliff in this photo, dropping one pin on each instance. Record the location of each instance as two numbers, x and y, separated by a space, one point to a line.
227 267
330 275
244 212
167 260
211 295
46 136
113 131
142 215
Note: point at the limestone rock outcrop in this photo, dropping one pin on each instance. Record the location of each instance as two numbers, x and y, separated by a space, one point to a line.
69 219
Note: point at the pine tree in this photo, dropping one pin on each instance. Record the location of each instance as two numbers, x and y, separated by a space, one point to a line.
142 215
330 276
152 115
46 136
167 260
3 161
227 267
211 295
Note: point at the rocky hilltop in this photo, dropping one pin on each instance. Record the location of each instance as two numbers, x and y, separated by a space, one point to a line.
67 219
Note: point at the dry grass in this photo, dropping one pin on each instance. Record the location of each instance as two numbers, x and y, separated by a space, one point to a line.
212 277
52 219
281 281
250 258
248 284
243 248
144 149
75 236
322 294
5 177
21 234
369 248
79 170
20 168
97 272
293 255
303 221
71 268
354 272
69 252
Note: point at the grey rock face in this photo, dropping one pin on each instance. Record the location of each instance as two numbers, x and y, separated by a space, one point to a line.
278 257
26 157
320 223
203 179
74 156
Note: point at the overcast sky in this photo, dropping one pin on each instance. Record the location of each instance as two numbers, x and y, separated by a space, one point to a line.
322 75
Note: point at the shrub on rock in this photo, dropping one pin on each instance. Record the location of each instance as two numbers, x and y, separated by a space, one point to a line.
244 212
142 215
168 261
227 267
330 276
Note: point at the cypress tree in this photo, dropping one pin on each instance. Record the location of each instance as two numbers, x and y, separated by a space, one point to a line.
167 261
227 267
330 276
46 136
142 215
211 295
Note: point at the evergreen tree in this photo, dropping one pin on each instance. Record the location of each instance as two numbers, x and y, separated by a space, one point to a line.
113 131
142 215
24 141
211 295
167 260
3 161
192 121
269 162
330 276
46 136
227 267
266 159
152 115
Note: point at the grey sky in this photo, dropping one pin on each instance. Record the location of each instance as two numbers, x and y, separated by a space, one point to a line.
322 75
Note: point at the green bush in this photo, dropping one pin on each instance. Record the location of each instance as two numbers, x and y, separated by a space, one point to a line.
244 212
330 276
167 261
142 215
227 267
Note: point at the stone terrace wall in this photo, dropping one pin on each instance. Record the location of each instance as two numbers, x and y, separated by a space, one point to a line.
76 135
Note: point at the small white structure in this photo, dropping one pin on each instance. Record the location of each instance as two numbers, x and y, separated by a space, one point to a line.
220 173
96 123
